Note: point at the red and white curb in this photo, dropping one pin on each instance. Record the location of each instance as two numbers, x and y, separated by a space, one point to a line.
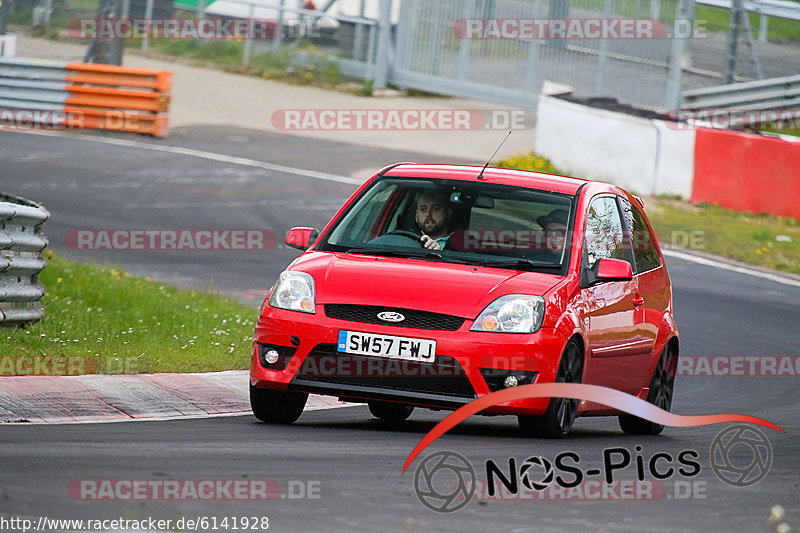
114 398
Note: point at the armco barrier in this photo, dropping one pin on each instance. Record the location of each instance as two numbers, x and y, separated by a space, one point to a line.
21 245
769 94
747 172
88 95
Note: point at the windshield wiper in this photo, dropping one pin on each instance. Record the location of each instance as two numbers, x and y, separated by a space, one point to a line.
519 263
423 254
415 254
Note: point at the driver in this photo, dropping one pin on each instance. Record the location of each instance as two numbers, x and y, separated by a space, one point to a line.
433 214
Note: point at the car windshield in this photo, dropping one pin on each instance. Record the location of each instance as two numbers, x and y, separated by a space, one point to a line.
458 222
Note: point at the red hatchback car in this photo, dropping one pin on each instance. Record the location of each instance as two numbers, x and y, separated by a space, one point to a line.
436 284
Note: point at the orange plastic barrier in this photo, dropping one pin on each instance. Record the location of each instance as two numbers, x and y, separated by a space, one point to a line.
118 98
130 121
747 172
119 76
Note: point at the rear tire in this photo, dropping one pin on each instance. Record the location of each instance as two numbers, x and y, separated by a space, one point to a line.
390 411
662 385
277 407
557 420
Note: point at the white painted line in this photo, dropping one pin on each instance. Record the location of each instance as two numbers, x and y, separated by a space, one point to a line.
166 418
243 161
733 268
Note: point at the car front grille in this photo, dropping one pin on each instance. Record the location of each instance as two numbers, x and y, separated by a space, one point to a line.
413 318
443 377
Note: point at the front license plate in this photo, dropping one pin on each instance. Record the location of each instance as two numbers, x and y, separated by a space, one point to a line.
354 342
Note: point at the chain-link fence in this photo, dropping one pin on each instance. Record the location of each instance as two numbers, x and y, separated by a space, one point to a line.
632 70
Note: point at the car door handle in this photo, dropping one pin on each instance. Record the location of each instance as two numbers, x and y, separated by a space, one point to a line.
638 300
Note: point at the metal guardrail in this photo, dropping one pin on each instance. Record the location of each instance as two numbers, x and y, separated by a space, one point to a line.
21 245
88 95
773 93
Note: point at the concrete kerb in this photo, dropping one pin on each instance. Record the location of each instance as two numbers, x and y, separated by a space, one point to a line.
94 398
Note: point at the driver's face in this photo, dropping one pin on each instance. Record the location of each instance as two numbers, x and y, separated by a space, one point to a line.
432 216
556 233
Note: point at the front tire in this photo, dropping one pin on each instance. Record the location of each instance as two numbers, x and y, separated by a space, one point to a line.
277 407
662 385
557 420
390 411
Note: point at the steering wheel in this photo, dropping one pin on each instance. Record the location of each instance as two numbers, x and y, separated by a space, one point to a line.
408 234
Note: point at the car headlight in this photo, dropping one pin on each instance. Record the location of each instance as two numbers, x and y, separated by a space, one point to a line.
514 313
294 291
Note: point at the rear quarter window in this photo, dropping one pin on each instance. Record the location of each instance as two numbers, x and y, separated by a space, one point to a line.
645 251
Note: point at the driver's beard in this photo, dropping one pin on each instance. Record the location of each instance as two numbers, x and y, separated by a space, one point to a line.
430 227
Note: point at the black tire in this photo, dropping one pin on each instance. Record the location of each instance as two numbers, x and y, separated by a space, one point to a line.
277 407
394 412
557 420
662 386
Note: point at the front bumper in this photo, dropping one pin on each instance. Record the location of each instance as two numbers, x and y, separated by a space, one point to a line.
454 378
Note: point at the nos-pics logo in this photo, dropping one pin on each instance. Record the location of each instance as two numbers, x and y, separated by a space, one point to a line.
445 481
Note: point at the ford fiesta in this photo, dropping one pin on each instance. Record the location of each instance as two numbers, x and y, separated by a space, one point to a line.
436 284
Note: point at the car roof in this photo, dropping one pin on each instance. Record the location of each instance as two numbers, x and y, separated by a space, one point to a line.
503 176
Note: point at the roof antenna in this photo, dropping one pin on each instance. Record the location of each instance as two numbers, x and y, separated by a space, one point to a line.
480 176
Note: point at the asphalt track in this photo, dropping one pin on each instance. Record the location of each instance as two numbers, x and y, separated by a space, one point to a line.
356 459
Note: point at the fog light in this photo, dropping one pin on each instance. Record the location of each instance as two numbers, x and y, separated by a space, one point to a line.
271 356
511 381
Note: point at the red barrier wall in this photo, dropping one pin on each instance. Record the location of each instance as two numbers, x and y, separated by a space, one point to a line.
747 172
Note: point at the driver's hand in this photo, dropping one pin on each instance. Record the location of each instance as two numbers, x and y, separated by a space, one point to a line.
429 243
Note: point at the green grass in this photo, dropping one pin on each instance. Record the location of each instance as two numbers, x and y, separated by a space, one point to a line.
716 19
317 70
708 228
795 132
707 18
742 236
133 325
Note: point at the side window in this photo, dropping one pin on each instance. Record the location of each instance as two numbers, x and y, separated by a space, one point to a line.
358 224
604 235
644 248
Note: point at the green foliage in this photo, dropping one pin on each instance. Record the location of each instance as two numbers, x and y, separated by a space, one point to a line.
133 325
529 161
746 237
